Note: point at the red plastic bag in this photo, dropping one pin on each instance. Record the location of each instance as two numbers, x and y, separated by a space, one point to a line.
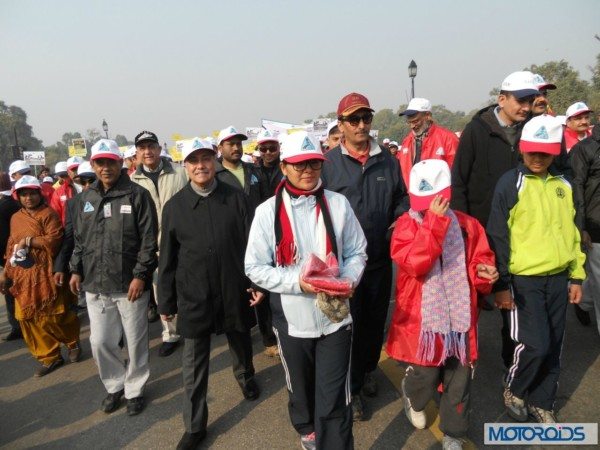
324 276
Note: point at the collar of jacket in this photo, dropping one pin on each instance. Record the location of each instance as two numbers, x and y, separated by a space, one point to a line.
192 199
121 187
167 168
374 148
552 171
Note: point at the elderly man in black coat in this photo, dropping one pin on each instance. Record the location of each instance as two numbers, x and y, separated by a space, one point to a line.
202 281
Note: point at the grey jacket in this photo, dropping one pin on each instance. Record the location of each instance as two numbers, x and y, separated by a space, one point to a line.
115 236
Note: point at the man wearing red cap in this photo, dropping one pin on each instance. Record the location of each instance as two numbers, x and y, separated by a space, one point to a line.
369 177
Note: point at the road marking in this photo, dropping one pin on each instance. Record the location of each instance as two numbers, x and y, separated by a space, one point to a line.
395 374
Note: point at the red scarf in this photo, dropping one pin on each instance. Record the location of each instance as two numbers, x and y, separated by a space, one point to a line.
286 252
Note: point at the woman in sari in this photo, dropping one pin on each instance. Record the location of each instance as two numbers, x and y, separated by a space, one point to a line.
42 307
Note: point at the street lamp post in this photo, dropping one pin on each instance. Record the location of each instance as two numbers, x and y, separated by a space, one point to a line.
105 127
412 73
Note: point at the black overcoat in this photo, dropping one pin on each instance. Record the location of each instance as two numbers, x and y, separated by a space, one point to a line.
201 265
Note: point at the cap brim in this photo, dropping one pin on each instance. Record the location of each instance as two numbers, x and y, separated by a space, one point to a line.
578 113
212 150
147 140
73 166
355 108
547 86
61 173
422 202
243 137
409 112
267 140
305 157
522 93
539 147
106 155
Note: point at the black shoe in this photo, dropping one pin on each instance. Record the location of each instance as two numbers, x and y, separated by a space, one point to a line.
152 314
250 390
13 335
167 348
370 385
582 315
190 441
135 406
112 402
45 370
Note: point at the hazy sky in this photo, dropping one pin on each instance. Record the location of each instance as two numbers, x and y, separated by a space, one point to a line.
191 67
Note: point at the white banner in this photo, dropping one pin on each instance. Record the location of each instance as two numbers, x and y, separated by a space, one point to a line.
35 158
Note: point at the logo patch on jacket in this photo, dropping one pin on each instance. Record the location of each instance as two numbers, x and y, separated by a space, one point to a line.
560 192
88 207
380 178
440 152
253 179
405 150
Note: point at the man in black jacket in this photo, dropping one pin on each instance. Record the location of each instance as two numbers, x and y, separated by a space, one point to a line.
585 162
370 179
487 149
201 280
115 231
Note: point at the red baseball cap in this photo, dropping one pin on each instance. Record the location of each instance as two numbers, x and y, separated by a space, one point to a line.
353 102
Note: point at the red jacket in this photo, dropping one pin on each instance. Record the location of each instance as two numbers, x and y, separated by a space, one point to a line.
414 249
572 138
440 143
47 192
59 199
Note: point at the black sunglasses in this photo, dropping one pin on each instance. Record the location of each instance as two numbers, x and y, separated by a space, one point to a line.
354 120
315 164
86 181
269 149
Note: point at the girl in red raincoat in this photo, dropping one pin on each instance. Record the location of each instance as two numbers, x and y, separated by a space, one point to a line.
443 261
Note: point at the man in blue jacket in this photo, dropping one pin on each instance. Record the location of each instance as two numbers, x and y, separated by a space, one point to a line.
370 179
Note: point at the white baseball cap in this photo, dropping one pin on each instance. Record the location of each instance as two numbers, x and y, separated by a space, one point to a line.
331 126
60 168
520 84
18 166
210 139
300 146
28 181
85 169
130 152
228 133
74 162
165 154
577 108
542 134
266 136
428 178
393 144
417 105
541 84
192 145
106 148
48 180
386 141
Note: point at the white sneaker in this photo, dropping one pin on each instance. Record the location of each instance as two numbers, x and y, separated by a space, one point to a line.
541 415
417 418
450 443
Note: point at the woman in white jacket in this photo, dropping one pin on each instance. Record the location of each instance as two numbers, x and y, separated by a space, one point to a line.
303 219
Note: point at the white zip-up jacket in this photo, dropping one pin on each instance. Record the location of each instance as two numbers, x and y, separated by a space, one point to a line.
291 307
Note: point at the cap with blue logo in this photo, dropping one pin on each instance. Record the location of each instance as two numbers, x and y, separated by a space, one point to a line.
520 84
300 146
195 144
428 178
542 134
228 133
266 136
105 148
576 109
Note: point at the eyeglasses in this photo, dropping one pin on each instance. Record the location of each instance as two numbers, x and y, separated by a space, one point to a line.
86 181
314 164
355 119
269 149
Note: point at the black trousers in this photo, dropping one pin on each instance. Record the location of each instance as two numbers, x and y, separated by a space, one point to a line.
195 362
318 383
422 383
369 307
264 317
538 327
10 312
508 345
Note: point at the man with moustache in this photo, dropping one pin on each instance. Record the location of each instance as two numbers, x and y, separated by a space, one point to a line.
202 281
113 260
540 103
369 177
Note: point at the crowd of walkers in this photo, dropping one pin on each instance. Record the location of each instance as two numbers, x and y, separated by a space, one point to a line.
507 215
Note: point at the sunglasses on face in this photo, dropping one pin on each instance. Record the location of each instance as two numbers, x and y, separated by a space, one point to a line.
270 149
314 164
355 119
86 181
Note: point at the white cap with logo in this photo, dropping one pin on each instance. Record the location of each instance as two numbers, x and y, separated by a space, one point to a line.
105 148
18 166
417 105
520 84
60 168
194 144
542 134
228 133
300 146
577 108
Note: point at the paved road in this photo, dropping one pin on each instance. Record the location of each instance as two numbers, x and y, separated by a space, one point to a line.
60 411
